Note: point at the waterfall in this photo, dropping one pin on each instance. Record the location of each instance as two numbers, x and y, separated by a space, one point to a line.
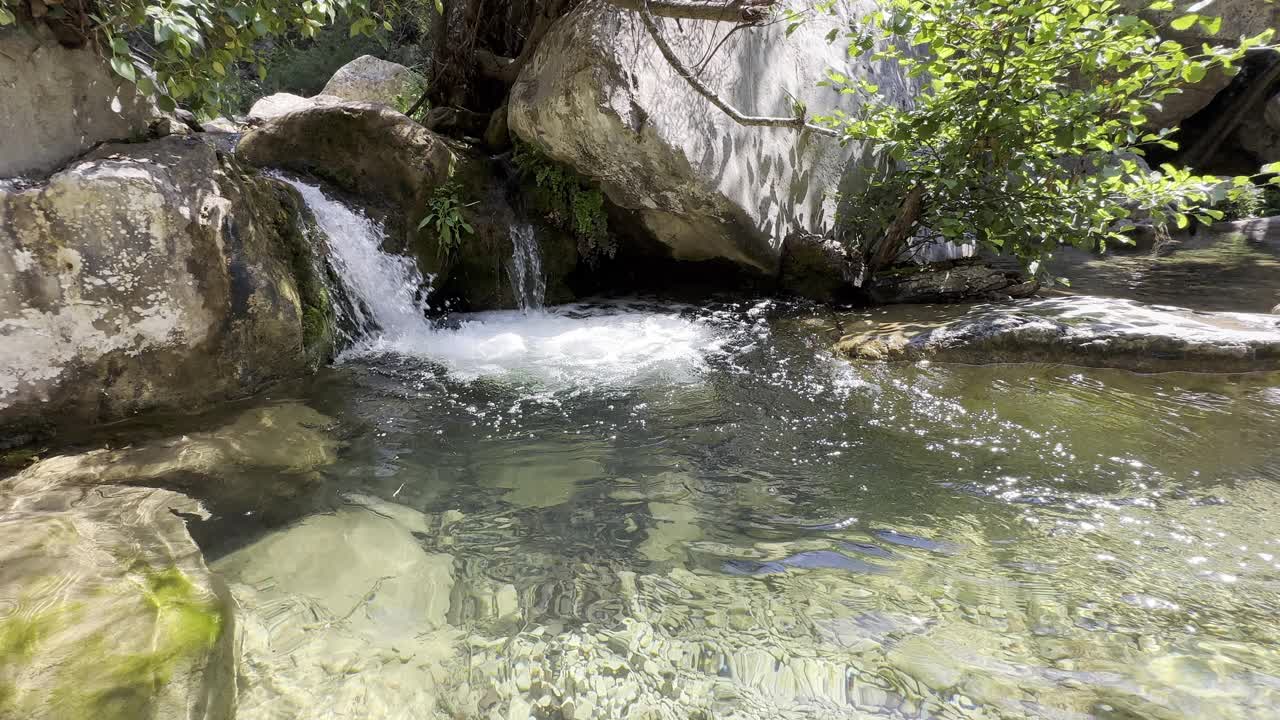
527 279
389 293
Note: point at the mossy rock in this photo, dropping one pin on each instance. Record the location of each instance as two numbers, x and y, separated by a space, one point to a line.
114 615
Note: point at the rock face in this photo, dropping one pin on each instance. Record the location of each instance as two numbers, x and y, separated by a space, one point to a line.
153 275
1092 332
363 148
273 106
598 96
370 79
952 281
110 612
60 102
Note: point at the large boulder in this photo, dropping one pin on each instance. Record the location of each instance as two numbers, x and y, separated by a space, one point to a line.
371 79
598 96
269 108
363 148
153 275
1271 112
59 102
964 280
109 612
1086 331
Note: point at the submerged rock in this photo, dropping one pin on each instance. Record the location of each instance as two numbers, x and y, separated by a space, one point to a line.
154 275
59 102
108 611
1093 332
598 96
371 79
349 602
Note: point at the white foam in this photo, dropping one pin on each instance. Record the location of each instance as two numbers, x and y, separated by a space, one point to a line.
565 347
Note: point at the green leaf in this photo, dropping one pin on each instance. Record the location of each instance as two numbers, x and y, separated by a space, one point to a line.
6 17
1184 22
1270 168
124 67
1193 72
440 7
1211 25
166 103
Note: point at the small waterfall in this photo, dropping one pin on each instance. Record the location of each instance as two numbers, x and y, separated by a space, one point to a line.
527 279
390 293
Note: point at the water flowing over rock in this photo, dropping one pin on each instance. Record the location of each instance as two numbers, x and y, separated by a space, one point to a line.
598 96
59 102
527 279
109 612
1092 332
155 275
371 79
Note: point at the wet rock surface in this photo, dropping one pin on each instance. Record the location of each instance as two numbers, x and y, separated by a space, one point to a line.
152 276
1092 332
107 610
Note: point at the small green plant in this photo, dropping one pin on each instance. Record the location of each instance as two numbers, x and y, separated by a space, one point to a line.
1244 202
412 89
444 217
568 201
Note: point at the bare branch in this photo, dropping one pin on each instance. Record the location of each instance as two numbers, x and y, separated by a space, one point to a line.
795 123
741 11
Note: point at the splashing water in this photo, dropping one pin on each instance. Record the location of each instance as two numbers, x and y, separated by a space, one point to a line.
527 279
390 292
619 345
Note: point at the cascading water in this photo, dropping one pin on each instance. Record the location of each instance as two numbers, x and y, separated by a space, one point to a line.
527 279
616 344
390 293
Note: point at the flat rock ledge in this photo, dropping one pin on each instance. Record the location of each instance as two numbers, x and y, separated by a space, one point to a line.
1085 331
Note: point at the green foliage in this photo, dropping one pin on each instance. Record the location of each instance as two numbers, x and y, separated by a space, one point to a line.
187 51
413 88
568 201
1030 125
1246 201
444 218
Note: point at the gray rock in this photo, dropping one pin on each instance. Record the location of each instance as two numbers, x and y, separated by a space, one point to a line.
220 125
598 96
818 268
153 275
274 106
1271 113
60 102
963 280
109 610
1087 331
370 79
1257 136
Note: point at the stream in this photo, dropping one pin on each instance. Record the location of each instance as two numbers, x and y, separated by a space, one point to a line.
638 509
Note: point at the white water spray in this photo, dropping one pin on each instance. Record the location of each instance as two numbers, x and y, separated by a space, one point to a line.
618 344
527 279
388 292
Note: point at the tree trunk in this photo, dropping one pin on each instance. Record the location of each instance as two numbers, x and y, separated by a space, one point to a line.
899 232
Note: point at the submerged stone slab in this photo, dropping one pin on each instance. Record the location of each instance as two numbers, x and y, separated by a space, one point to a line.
1087 331
107 610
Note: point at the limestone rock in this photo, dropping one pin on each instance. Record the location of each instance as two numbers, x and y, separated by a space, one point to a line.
273 106
154 275
964 280
60 102
371 79
1087 331
818 269
220 125
109 610
363 148
598 96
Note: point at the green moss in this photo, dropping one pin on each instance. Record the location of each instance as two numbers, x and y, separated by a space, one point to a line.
189 623
21 636
567 200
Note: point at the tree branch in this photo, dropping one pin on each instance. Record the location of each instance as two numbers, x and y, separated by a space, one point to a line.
795 123
741 11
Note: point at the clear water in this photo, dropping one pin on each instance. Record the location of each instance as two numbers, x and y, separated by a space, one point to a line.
634 509
701 514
